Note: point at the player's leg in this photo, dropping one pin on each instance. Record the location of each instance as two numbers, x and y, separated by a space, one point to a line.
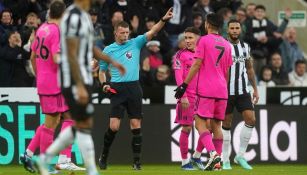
64 161
108 140
136 142
226 126
134 110
216 125
246 108
184 147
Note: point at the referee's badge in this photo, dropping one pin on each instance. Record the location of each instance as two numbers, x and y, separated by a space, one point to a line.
129 55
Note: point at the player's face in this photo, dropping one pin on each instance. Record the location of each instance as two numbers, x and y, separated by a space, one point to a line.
190 40
234 31
122 34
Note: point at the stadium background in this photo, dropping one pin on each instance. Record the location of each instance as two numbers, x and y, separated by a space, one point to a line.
280 136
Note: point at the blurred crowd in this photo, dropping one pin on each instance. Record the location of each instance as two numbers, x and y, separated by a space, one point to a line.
278 58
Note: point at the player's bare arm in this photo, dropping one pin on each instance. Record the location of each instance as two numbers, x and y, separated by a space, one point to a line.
252 79
157 27
33 61
73 48
101 56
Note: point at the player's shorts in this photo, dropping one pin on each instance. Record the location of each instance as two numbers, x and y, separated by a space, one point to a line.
52 104
185 116
241 102
128 97
210 108
78 112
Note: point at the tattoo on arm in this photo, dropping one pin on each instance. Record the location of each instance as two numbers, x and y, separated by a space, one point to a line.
251 73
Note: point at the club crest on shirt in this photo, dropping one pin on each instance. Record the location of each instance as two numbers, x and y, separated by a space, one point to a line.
129 55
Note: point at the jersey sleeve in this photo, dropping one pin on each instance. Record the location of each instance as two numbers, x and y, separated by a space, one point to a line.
230 61
102 64
140 41
72 25
199 49
178 66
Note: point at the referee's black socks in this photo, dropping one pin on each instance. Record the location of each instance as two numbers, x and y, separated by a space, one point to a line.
136 144
108 140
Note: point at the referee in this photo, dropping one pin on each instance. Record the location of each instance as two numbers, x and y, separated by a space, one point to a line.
128 94
241 72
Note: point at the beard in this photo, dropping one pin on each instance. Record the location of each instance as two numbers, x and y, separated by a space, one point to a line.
234 38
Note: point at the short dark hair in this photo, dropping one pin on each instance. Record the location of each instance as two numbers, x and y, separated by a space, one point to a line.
260 7
233 21
121 24
302 61
223 11
215 20
251 4
194 30
57 9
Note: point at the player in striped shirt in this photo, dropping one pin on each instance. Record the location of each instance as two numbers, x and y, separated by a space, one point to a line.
239 96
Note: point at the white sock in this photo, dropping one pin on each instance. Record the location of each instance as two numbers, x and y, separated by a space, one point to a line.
64 139
226 144
86 146
212 154
62 159
29 153
245 135
197 154
185 161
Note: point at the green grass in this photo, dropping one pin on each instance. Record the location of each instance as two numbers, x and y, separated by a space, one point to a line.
174 169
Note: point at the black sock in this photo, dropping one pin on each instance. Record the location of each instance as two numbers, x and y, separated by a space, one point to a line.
136 144
107 142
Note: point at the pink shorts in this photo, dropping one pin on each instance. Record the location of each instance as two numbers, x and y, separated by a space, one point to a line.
52 104
185 116
210 108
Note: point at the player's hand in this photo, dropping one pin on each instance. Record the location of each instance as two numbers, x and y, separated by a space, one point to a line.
180 90
185 103
82 95
120 67
255 97
168 15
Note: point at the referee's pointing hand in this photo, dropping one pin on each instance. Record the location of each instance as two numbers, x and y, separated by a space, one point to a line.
168 15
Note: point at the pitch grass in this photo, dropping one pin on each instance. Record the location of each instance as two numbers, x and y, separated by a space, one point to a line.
174 169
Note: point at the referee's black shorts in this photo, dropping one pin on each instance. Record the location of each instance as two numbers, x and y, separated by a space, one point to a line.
241 102
78 112
128 97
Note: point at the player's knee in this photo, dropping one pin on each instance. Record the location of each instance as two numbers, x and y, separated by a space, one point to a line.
135 123
114 127
251 121
226 124
186 129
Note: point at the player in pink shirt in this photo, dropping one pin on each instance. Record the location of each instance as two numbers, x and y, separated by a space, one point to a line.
213 59
45 49
182 63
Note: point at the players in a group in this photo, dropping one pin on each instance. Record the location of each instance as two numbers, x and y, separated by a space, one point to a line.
241 72
44 58
182 63
213 59
76 81
129 92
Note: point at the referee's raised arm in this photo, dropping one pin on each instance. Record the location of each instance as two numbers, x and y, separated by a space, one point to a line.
157 27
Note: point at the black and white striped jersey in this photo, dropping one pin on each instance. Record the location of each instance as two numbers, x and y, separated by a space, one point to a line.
76 23
238 78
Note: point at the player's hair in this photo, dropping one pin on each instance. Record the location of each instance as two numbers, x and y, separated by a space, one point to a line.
260 7
215 21
121 24
251 4
241 9
233 21
194 30
57 9
300 62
